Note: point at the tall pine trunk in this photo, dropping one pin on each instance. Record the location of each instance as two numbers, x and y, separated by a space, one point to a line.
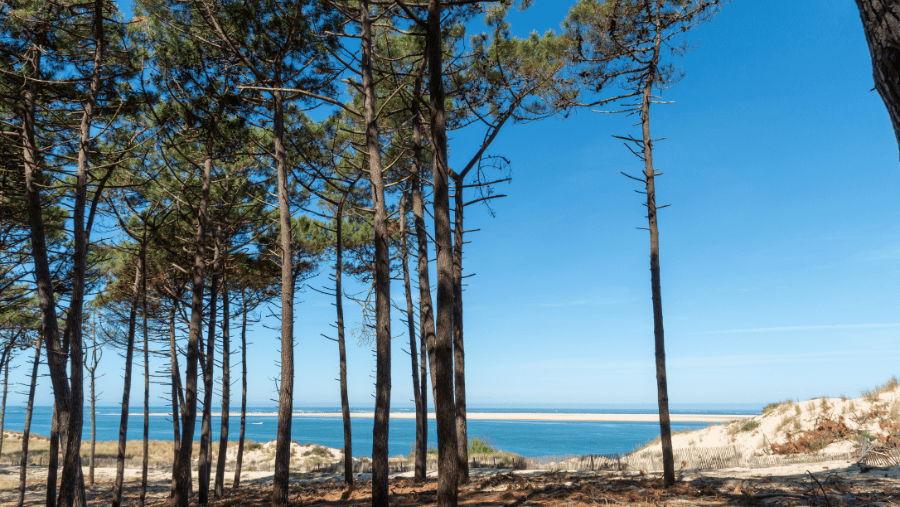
56 358
176 389
286 391
189 414
71 493
93 371
426 307
240 451
126 388
665 425
342 349
146 442
203 467
26 432
421 412
53 459
459 356
3 400
380 469
219 490
442 363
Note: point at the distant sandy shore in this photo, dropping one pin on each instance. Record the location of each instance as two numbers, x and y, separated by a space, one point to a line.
679 418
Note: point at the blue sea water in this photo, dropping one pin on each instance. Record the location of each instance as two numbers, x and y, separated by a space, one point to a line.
527 438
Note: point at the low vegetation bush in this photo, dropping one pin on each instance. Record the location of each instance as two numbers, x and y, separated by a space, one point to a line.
749 425
871 395
814 440
481 445
318 451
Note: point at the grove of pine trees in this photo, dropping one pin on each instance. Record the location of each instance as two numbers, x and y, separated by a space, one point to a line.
183 134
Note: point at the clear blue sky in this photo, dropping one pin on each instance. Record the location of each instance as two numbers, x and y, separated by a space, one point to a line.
779 254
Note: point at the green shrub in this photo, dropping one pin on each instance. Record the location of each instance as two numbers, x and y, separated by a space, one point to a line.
481 445
749 425
318 451
771 406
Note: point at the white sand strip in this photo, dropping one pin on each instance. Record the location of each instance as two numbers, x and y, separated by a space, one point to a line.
506 416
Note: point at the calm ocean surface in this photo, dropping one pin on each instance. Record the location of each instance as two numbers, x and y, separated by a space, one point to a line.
527 438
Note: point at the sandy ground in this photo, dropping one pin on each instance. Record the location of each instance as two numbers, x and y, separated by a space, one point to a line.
796 485
522 416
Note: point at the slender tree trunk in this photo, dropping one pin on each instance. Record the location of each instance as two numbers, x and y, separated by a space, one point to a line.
422 454
342 350
189 414
71 492
56 358
26 432
881 22
203 467
93 370
3 402
93 430
176 386
659 338
426 308
421 412
459 356
240 451
286 392
146 443
226 386
4 365
442 364
53 459
380 470
126 389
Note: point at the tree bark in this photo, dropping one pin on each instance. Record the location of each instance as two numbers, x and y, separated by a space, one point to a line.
342 349
665 426
93 371
426 308
71 492
422 454
26 432
881 23
53 459
442 364
459 356
3 402
126 389
176 387
189 414
146 442
203 466
286 391
219 490
380 468
421 412
240 452
56 358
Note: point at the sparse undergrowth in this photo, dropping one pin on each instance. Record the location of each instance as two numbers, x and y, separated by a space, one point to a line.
872 395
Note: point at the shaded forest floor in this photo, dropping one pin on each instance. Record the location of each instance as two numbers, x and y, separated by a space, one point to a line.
830 484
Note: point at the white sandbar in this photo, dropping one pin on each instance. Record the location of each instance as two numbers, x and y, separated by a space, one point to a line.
521 416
